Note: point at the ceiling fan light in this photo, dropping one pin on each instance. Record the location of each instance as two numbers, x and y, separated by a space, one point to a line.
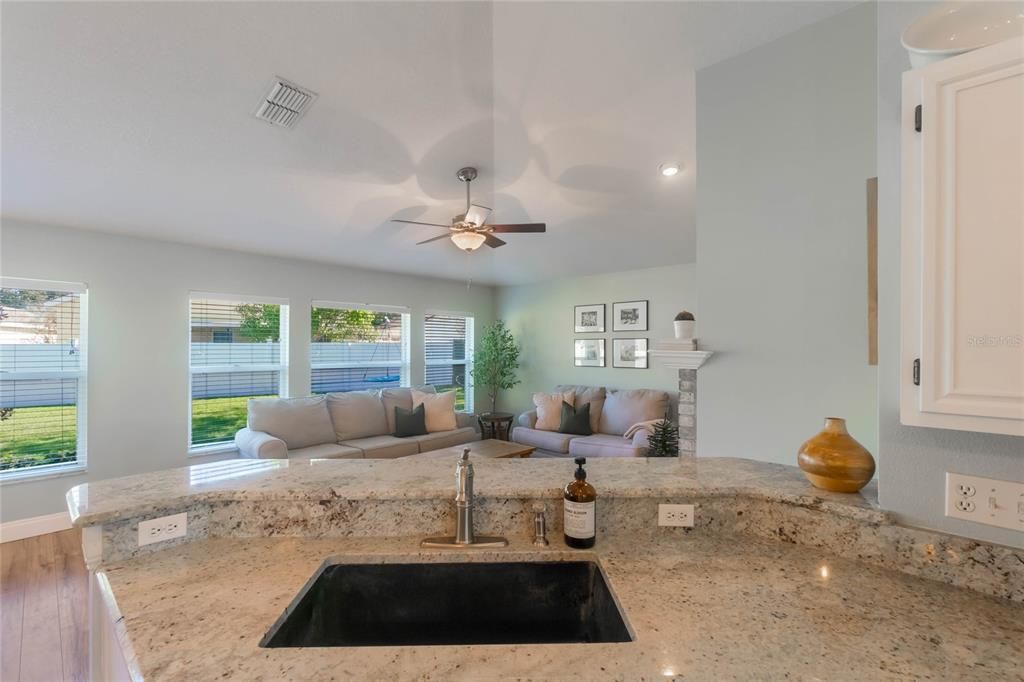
468 241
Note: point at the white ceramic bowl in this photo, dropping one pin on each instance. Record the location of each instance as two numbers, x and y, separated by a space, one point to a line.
957 27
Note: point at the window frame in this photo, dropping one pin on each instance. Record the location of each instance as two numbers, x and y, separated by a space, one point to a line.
467 361
81 375
282 367
405 364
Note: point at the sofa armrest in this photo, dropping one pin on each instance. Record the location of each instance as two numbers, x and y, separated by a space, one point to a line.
640 440
464 419
260 445
528 419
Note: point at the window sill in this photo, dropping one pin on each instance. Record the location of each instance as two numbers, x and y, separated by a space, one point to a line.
213 449
32 474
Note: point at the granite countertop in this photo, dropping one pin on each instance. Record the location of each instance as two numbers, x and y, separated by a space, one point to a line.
417 478
702 606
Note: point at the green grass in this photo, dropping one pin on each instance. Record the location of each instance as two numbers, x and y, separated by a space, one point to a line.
32 436
460 395
215 420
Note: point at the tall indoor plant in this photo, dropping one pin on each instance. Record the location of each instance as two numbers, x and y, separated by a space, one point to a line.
496 360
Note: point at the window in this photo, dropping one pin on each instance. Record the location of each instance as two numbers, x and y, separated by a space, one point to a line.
448 346
238 350
42 376
357 348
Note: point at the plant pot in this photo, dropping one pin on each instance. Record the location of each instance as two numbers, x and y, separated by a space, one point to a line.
833 460
685 329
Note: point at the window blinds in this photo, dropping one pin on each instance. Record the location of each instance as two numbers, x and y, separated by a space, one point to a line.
235 353
447 349
42 377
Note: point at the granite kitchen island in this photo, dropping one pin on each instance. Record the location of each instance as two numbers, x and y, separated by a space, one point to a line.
776 579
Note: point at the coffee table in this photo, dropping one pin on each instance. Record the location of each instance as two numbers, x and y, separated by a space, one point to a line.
487 449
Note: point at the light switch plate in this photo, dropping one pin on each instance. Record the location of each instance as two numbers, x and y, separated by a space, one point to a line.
163 528
985 500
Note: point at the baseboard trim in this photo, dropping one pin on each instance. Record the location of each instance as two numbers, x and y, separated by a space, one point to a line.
33 526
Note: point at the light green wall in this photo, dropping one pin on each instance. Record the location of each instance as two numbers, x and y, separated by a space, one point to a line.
541 317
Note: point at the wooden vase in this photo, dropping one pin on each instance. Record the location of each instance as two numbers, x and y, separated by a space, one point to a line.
833 460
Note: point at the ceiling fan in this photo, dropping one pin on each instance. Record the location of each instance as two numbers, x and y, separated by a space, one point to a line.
469 230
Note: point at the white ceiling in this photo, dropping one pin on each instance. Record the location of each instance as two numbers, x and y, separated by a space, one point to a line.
137 118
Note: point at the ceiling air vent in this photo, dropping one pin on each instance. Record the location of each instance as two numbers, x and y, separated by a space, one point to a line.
285 104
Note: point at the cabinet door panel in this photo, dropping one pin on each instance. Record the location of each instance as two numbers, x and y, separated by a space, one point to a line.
964 200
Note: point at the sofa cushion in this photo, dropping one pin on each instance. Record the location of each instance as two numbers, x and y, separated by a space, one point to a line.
549 408
604 445
576 422
440 409
326 451
545 440
624 408
299 422
384 447
594 395
446 439
357 414
410 422
400 397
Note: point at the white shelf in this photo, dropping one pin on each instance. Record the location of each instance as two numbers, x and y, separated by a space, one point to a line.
679 359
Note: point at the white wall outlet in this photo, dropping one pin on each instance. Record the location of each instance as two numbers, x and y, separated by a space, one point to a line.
675 515
163 528
985 500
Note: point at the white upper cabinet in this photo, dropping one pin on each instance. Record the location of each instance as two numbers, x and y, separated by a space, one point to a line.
962 322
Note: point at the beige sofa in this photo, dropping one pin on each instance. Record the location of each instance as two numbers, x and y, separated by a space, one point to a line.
612 413
352 425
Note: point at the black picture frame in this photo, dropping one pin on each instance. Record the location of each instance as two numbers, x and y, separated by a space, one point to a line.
640 361
579 314
577 361
641 307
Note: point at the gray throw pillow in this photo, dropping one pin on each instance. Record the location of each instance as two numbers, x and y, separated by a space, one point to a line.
410 422
576 422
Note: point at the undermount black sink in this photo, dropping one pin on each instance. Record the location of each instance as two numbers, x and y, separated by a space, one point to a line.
451 603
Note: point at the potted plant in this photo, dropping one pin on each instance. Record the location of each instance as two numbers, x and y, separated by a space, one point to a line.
495 361
685 325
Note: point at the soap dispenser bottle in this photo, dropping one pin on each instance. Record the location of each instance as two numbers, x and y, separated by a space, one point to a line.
579 520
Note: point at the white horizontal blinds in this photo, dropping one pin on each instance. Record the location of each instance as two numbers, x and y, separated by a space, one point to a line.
354 349
42 378
235 353
448 351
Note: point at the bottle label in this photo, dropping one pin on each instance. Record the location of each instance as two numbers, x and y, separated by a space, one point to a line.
579 520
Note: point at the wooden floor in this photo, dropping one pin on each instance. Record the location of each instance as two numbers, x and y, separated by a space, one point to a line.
43 609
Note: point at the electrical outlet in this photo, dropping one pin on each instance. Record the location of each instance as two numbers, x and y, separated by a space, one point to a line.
985 500
163 528
675 515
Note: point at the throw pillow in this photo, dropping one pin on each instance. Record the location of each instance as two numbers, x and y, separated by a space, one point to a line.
410 422
439 408
549 408
576 422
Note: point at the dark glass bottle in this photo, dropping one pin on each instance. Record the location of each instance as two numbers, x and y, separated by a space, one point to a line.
579 519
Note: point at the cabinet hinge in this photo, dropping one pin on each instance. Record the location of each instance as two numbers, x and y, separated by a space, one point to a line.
917 118
917 371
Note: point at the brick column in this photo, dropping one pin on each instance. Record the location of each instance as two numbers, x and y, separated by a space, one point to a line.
687 413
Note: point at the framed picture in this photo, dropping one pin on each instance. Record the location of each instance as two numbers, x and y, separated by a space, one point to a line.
589 353
629 353
629 316
589 318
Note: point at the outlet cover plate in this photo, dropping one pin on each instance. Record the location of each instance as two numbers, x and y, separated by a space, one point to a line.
985 500
163 528
675 515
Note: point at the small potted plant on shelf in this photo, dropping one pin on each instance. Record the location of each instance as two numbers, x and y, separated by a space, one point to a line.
685 325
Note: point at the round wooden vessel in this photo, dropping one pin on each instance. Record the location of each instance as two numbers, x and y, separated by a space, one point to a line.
833 460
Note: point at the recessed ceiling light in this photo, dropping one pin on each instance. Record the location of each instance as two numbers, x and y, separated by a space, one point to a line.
669 169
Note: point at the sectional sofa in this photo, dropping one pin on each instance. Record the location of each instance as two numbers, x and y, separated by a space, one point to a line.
612 414
352 425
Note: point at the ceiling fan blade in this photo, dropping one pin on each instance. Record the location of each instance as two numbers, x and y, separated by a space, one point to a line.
477 214
493 241
434 239
524 227
417 222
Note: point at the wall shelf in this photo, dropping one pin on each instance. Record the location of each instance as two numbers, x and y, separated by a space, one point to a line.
673 358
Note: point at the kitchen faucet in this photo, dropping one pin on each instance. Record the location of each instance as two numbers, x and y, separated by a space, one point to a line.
464 536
